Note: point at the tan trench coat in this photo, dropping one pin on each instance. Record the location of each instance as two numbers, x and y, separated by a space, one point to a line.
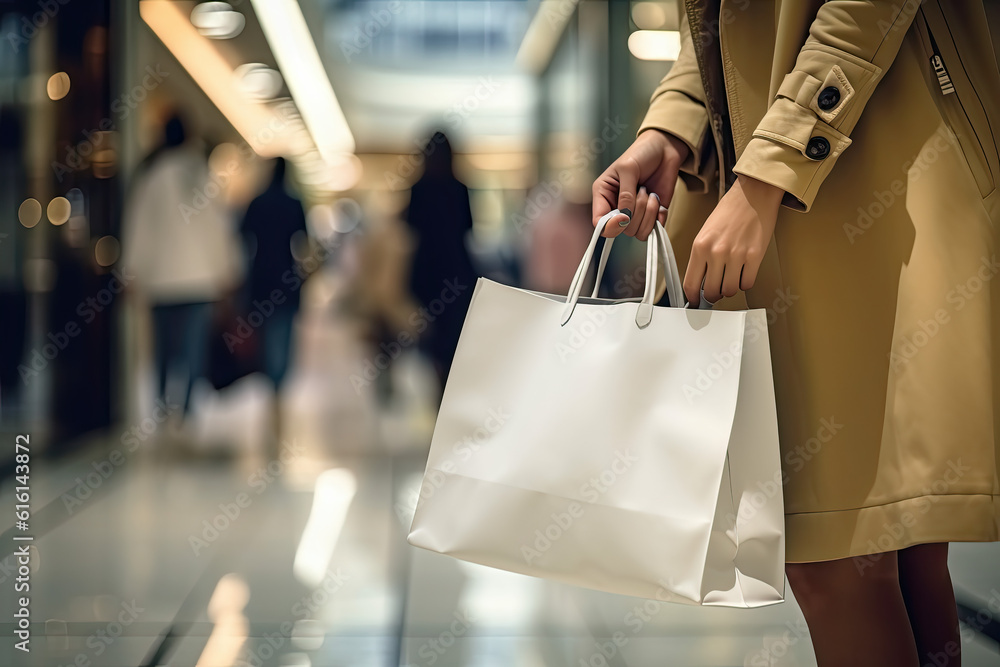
878 119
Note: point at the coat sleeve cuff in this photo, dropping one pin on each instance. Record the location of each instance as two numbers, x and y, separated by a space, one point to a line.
677 114
806 128
794 150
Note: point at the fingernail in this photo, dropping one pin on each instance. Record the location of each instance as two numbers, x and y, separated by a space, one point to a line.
624 223
626 212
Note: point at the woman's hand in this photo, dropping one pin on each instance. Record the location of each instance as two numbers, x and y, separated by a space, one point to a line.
641 182
728 250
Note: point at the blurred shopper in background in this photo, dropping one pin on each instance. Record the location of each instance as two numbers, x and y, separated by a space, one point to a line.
274 222
179 246
442 276
378 294
559 235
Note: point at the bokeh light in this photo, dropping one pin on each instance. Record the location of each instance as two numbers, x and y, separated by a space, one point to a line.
224 159
58 210
58 86
30 212
347 215
105 163
320 222
107 250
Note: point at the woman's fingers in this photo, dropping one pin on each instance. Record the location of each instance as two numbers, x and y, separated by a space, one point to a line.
720 275
605 193
751 266
713 276
650 213
628 185
731 277
635 222
694 277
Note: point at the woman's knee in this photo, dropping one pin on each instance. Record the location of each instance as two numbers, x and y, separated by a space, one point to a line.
809 582
818 583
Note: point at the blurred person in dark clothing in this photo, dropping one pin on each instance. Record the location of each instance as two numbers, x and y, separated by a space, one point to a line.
180 247
274 222
442 276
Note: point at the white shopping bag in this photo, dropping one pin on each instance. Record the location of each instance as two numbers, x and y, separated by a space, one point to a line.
611 444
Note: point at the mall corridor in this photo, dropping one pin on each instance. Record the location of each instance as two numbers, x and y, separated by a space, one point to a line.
240 242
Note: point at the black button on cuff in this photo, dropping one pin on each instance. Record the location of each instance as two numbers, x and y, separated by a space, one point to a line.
829 97
817 148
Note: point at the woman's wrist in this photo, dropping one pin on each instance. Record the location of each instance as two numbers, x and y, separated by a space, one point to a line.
759 193
672 143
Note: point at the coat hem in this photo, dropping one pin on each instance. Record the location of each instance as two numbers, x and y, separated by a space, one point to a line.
821 536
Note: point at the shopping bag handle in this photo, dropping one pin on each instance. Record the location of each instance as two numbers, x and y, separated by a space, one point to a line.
644 312
657 247
675 291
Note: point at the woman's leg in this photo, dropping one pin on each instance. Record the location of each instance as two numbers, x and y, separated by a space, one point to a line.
276 339
855 611
163 346
195 330
930 602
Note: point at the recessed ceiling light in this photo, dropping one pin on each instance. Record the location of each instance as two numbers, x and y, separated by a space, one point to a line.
655 44
258 82
649 15
217 20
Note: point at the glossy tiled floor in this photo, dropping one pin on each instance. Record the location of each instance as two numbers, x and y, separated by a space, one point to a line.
187 554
